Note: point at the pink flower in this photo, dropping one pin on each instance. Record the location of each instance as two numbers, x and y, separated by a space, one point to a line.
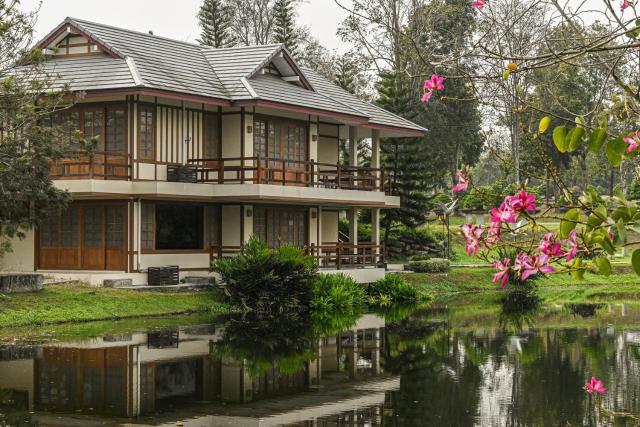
625 4
594 386
522 260
503 271
522 201
632 141
504 213
573 245
436 82
493 234
549 247
463 181
478 3
472 234
536 264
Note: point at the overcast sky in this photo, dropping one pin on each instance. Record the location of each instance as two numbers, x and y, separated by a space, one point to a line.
171 18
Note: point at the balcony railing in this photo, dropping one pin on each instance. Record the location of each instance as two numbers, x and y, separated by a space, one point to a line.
92 165
260 170
339 255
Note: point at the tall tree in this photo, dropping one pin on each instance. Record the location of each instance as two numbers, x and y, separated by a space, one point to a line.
284 28
215 19
28 147
253 21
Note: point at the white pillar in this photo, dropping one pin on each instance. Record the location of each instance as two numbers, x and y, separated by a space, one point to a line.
353 146
352 216
375 229
375 154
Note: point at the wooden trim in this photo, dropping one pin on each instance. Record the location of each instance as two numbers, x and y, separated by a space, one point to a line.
405 131
168 94
63 28
355 119
131 206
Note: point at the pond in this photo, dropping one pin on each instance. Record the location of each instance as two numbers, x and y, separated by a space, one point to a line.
458 363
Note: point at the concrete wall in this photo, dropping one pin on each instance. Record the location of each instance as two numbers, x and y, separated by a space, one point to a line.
231 217
18 375
22 257
329 226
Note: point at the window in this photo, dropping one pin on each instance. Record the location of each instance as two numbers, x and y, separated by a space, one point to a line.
146 143
179 227
93 121
115 227
277 226
148 215
92 227
211 137
115 139
279 140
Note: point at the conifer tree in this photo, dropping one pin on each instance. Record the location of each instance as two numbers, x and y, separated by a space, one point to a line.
215 19
284 29
346 74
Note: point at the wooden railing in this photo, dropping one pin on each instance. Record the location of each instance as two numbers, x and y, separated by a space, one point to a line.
92 165
261 170
337 255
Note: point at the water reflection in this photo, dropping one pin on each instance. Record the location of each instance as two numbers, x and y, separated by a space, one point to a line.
440 366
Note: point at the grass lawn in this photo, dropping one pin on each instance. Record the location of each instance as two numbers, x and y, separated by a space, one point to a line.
555 289
60 304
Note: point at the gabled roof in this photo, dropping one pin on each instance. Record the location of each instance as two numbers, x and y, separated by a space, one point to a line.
262 75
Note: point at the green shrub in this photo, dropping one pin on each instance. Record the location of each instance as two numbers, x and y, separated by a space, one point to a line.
268 280
337 293
433 265
393 289
421 257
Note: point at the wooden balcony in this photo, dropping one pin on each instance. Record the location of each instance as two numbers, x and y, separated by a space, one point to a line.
259 170
92 165
338 255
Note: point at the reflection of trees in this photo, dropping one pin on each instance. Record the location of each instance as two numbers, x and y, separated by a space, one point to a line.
463 377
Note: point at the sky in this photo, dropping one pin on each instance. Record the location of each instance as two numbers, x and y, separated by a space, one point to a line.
174 19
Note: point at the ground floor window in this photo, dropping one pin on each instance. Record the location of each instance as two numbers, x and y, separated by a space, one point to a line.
280 225
87 236
179 227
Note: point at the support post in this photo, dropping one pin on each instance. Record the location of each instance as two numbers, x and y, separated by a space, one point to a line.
375 233
353 154
375 158
353 228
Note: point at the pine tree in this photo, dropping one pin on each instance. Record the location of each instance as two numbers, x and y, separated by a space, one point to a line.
346 74
284 31
215 20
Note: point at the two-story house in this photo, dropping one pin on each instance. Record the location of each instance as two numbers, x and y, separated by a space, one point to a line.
198 149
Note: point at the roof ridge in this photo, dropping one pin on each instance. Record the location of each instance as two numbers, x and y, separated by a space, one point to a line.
142 33
272 45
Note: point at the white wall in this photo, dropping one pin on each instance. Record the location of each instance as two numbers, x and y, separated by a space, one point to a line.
22 257
231 218
329 232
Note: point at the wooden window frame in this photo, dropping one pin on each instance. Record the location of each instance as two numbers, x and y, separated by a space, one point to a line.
280 211
283 124
146 107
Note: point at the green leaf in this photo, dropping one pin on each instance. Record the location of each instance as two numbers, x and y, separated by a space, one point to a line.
603 265
613 153
635 261
544 124
568 223
574 137
579 121
621 233
596 140
607 245
559 138
577 274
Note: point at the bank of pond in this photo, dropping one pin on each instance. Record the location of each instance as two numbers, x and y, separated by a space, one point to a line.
455 362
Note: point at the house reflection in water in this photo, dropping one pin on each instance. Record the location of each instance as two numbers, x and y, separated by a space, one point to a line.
149 373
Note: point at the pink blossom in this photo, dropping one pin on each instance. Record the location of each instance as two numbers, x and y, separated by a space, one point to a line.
472 234
594 386
478 3
522 201
573 245
504 213
436 82
625 4
549 247
521 262
503 271
536 264
463 181
493 234
632 141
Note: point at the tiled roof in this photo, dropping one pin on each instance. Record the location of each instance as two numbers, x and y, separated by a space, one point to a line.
232 74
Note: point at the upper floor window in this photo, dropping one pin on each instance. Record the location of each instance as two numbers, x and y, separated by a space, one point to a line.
279 140
211 136
146 140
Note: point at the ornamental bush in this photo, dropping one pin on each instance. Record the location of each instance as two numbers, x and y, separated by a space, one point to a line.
393 289
268 280
433 265
337 293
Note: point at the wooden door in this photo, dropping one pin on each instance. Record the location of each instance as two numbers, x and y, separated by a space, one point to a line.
277 226
294 152
116 237
59 241
282 147
93 252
